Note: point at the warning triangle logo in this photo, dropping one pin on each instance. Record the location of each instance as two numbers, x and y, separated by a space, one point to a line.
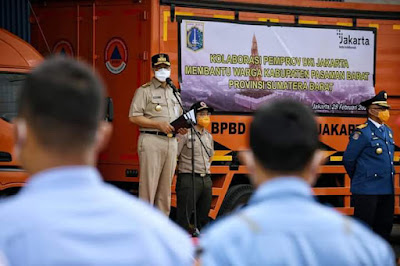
115 54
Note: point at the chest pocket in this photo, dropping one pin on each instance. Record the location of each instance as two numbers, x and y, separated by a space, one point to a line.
378 156
176 106
208 144
391 145
377 144
158 97
189 146
158 104
200 150
174 101
189 143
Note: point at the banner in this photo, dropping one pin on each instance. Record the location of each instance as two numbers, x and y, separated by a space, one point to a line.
237 67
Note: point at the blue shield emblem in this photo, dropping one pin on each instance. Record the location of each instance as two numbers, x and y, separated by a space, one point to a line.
194 40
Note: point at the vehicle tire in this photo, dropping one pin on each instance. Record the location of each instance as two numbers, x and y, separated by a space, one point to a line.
236 197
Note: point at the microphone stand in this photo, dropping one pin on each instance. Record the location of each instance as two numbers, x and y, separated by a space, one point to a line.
193 131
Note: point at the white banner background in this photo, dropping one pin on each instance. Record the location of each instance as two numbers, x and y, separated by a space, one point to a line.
201 41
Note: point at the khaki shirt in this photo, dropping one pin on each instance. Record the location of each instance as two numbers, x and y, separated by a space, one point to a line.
202 161
151 95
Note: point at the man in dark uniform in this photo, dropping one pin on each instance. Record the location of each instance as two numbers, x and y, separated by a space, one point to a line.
368 160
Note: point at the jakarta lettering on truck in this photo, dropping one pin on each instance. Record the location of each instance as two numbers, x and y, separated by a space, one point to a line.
349 39
116 55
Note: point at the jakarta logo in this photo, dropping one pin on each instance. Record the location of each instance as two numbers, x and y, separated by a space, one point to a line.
195 35
116 55
63 48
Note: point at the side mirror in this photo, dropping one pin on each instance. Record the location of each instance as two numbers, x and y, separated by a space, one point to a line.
5 118
109 110
8 117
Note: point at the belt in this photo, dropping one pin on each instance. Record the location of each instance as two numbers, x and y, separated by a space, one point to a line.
195 174
169 135
201 175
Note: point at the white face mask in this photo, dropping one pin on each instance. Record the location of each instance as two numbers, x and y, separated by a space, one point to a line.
162 74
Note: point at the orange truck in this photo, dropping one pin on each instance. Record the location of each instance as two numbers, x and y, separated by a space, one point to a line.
118 38
17 59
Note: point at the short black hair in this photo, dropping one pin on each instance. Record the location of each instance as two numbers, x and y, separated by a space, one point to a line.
284 136
63 102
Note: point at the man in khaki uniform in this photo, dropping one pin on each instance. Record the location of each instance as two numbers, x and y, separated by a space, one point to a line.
202 163
153 107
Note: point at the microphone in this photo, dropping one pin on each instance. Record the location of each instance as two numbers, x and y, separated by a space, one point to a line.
169 82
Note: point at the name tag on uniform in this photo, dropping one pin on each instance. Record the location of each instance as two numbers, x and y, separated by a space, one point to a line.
156 97
177 110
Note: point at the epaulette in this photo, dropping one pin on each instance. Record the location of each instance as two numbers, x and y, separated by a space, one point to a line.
362 126
146 84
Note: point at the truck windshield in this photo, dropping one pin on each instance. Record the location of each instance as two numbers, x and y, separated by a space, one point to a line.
10 84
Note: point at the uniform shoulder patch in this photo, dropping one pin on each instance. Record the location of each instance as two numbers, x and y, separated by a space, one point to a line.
146 84
362 126
356 135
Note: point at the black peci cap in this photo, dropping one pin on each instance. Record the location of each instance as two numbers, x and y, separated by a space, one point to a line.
159 59
379 99
200 106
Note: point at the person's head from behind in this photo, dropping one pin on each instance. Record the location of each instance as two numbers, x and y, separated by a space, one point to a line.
283 142
61 106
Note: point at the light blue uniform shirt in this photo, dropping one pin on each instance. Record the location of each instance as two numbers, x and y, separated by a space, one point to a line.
69 216
284 225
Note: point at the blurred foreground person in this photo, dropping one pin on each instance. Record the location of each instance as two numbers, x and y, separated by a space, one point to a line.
283 224
3 260
66 214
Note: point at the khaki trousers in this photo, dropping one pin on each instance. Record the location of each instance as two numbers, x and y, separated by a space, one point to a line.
157 159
